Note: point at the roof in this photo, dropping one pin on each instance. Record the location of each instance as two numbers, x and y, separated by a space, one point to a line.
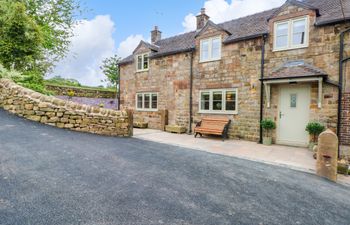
295 69
329 11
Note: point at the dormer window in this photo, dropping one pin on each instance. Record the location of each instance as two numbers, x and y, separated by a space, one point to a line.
142 62
291 34
210 49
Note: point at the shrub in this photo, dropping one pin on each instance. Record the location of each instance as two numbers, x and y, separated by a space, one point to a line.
314 129
70 93
268 125
30 79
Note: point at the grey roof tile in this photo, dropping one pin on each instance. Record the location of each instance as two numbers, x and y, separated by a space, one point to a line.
296 68
250 26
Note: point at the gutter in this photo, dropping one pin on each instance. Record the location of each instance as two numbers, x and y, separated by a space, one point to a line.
262 67
191 93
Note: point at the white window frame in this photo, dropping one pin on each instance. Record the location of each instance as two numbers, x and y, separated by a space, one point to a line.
150 109
223 111
290 34
142 62
210 48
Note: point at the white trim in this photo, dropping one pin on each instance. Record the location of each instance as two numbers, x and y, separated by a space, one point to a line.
142 62
285 81
223 111
290 34
210 49
150 109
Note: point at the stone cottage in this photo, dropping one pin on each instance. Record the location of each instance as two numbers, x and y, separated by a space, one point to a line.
286 63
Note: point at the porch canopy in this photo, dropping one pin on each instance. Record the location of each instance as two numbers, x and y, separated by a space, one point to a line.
295 72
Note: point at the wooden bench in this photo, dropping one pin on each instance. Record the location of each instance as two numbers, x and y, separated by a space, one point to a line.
216 126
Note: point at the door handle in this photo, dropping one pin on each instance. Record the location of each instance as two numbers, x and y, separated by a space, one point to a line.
281 114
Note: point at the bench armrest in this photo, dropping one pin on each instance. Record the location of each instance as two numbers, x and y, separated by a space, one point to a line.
199 124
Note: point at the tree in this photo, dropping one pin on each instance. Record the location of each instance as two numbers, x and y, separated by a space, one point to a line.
21 39
57 20
111 69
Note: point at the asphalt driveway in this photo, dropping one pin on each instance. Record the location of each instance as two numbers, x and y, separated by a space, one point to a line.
51 176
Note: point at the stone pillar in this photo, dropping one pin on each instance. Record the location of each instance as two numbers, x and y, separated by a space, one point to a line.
131 122
163 119
327 155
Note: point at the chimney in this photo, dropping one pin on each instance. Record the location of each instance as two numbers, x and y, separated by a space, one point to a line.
156 35
202 19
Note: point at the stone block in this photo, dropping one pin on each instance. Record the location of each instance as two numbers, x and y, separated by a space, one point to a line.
175 129
140 124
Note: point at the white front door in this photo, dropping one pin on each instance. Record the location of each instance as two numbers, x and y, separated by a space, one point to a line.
294 109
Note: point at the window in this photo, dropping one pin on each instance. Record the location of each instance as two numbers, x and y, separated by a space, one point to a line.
218 101
291 34
210 49
147 101
142 62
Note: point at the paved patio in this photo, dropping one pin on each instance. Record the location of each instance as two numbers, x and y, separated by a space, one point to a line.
291 157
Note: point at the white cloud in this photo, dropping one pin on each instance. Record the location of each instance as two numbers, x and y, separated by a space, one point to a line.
127 46
92 42
222 10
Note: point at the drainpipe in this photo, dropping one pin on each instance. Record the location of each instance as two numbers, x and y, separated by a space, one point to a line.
118 88
340 86
191 90
262 67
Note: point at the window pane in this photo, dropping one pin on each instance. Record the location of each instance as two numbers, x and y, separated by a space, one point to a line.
230 100
216 48
282 29
205 101
217 100
145 62
139 101
204 50
154 101
147 101
282 41
139 62
299 32
293 100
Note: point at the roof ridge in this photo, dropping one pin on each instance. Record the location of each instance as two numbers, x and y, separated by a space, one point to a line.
228 21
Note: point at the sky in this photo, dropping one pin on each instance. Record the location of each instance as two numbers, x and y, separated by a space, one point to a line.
109 27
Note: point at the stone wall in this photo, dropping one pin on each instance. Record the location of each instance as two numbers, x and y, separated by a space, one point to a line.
169 77
81 91
63 114
345 126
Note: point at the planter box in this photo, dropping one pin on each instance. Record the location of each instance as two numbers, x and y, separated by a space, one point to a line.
139 124
175 129
267 140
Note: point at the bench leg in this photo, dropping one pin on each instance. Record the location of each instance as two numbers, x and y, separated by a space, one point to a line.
195 135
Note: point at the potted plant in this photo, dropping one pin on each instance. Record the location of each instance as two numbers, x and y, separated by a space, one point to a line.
314 129
268 125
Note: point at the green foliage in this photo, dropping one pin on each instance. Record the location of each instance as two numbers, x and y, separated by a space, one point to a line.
111 69
268 125
9 74
314 129
21 38
56 19
63 81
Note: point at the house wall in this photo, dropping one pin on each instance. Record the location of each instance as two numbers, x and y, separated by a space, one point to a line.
239 68
168 76
322 52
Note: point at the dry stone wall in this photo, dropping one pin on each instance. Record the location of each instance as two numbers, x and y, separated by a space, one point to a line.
63 114
81 92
